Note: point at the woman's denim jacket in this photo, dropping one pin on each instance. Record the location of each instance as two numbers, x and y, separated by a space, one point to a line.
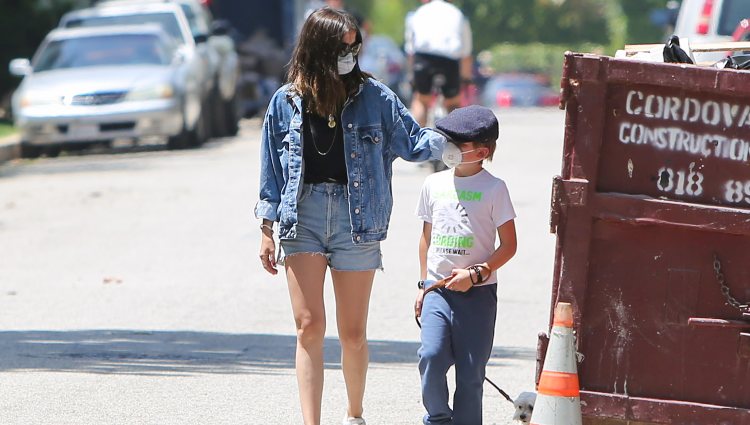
377 129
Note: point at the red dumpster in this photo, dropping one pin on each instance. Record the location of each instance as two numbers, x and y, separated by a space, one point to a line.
652 216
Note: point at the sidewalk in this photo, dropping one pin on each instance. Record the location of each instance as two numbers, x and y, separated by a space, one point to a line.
10 148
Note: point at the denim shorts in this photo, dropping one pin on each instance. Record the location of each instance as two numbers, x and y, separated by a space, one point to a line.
324 227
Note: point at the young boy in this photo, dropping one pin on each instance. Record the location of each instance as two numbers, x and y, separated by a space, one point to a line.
462 209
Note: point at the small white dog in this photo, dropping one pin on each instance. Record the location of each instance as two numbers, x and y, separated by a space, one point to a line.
524 405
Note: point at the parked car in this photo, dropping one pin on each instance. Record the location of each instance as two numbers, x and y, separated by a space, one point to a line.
742 32
382 58
172 19
708 21
227 110
93 85
265 33
505 90
221 56
169 16
739 59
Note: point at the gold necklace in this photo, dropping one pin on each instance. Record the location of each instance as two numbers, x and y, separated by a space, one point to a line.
331 124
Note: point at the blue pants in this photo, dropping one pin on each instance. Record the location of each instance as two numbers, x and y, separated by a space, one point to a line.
457 329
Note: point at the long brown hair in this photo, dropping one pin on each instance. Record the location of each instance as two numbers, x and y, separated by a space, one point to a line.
313 70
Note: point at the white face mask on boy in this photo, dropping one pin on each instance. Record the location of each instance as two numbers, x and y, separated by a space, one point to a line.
453 156
346 64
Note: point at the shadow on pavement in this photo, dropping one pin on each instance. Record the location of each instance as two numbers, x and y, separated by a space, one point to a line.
100 159
181 353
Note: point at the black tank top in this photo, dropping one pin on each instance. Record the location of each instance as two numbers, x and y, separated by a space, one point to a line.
323 150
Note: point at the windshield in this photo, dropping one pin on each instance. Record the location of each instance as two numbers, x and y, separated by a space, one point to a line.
168 22
119 49
732 12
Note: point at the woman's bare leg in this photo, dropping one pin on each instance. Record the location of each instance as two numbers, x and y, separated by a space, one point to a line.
352 291
305 276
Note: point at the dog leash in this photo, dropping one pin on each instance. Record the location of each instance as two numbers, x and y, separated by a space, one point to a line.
440 285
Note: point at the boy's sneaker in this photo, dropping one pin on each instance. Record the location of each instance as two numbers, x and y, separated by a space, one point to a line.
353 421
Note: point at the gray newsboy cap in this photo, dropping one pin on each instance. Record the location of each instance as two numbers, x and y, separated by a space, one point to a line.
470 124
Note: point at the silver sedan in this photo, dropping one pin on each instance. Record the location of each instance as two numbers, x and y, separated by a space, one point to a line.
94 85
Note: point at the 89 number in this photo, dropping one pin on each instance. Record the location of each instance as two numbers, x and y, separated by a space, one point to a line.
737 191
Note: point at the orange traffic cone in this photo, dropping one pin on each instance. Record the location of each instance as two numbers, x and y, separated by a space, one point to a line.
558 401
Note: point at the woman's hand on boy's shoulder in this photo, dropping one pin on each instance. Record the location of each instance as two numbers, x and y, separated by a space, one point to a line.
460 281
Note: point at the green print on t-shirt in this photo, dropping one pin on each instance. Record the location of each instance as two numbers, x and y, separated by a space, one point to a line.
449 241
459 195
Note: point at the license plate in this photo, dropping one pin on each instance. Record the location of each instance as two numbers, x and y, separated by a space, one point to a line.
83 130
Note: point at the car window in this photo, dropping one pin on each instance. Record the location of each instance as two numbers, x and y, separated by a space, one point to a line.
117 49
168 22
196 26
732 12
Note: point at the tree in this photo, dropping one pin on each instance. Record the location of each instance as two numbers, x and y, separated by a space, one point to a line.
606 22
545 21
385 16
24 24
639 26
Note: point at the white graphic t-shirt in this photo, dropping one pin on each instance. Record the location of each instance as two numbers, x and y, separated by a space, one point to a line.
465 213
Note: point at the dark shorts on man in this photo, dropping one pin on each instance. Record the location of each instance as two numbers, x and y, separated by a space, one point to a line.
427 66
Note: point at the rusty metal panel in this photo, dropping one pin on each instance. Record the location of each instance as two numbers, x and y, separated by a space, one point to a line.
652 216
644 411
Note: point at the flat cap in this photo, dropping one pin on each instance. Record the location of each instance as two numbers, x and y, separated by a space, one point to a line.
470 124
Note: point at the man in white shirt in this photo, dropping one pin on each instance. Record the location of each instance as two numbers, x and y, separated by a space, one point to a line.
438 42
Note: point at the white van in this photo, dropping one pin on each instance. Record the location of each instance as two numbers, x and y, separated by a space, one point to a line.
709 21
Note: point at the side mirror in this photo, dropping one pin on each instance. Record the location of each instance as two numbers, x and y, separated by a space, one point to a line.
20 67
200 38
220 27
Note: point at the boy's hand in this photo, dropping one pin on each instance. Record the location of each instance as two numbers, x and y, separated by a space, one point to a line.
418 303
460 281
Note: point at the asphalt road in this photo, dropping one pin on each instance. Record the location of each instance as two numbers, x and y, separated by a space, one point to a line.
131 291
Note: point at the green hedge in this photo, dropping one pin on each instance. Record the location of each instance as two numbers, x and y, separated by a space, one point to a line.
535 58
6 129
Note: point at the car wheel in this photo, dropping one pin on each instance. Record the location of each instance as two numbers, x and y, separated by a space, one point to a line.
232 116
218 114
189 138
179 141
30 151
77 147
53 151
200 133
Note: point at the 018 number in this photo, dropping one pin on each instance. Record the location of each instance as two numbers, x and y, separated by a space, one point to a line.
680 182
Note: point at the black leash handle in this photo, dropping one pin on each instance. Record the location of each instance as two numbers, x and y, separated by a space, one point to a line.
439 285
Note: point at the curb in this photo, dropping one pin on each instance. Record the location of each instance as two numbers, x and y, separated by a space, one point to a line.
10 148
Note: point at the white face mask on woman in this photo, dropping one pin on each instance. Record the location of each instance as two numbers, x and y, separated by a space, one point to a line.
346 64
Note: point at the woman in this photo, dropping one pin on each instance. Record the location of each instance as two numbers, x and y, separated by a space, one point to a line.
330 137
